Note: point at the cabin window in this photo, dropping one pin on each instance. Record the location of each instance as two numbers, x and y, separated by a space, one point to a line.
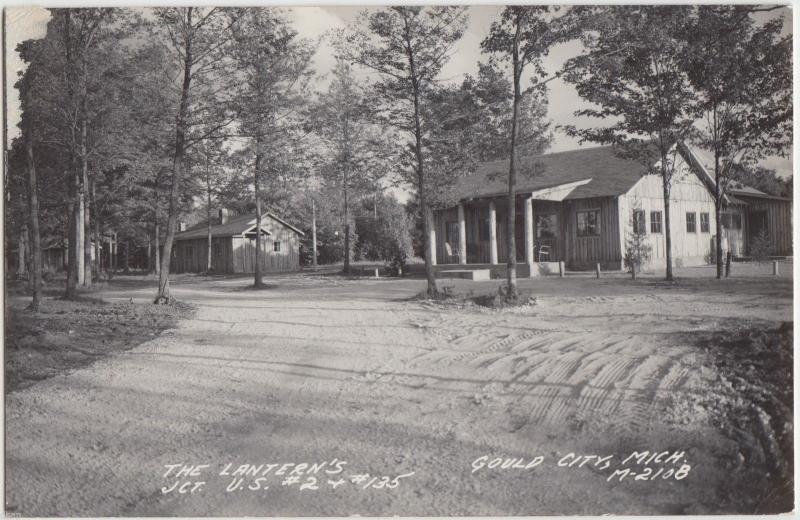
276 246
655 222
639 222
588 223
691 222
705 223
732 220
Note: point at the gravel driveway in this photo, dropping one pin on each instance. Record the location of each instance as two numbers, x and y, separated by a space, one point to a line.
321 396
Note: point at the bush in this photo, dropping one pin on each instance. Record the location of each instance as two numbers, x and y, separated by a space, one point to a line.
637 248
761 246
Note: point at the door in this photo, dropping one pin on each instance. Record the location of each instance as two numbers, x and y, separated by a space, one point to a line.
452 242
757 226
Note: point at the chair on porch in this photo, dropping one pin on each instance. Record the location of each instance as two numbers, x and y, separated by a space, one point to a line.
544 251
450 254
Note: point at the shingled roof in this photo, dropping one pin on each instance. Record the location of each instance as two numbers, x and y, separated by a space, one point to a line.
609 174
234 226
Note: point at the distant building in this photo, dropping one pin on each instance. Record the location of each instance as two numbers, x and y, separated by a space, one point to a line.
578 206
234 245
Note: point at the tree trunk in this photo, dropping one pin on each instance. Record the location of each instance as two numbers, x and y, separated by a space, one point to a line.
22 247
511 221
163 295
72 240
313 234
80 230
718 215
208 216
75 252
127 266
33 223
87 226
665 183
430 274
157 253
347 246
257 281
97 249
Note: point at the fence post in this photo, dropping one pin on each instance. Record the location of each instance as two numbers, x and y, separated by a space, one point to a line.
561 269
598 270
774 268
376 273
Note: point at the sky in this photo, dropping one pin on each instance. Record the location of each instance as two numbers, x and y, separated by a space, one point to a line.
320 22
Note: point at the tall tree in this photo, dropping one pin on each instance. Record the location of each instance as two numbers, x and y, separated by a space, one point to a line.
633 75
340 120
407 46
274 65
200 40
742 74
524 35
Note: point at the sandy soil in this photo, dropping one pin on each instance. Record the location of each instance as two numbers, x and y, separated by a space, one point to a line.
362 379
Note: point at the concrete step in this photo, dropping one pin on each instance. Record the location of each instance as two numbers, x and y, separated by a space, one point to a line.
467 274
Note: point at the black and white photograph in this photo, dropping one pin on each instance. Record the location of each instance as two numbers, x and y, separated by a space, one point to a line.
422 260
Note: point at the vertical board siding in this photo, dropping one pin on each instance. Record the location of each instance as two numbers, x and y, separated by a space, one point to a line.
585 252
236 254
779 222
688 194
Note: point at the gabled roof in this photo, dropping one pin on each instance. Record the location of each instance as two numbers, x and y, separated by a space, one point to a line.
236 225
597 172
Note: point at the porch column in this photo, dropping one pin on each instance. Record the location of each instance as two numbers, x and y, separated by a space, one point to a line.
492 233
432 233
462 236
528 205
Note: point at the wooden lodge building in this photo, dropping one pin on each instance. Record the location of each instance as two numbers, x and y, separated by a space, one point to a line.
234 245
578 207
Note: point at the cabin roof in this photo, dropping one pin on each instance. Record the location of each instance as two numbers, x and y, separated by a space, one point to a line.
605 174
236 225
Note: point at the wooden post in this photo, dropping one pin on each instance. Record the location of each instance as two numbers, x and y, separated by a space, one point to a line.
774 268
377 272
597 268
728 264
462 236
561 269
528 207
432 234
492 233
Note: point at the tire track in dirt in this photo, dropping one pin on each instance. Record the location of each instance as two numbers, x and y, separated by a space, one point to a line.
550 375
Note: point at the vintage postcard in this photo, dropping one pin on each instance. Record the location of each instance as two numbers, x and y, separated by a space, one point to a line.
425 260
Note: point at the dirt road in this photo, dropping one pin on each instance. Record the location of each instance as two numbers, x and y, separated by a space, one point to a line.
402 405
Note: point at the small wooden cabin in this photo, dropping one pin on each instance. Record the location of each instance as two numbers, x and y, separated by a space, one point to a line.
234 245
579 206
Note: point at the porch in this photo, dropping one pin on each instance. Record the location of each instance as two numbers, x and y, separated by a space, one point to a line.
474 232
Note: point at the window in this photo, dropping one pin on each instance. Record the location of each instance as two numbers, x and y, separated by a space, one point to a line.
639 222
547 226
691 222
588 223
732 220
705 223
276 246
655 222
